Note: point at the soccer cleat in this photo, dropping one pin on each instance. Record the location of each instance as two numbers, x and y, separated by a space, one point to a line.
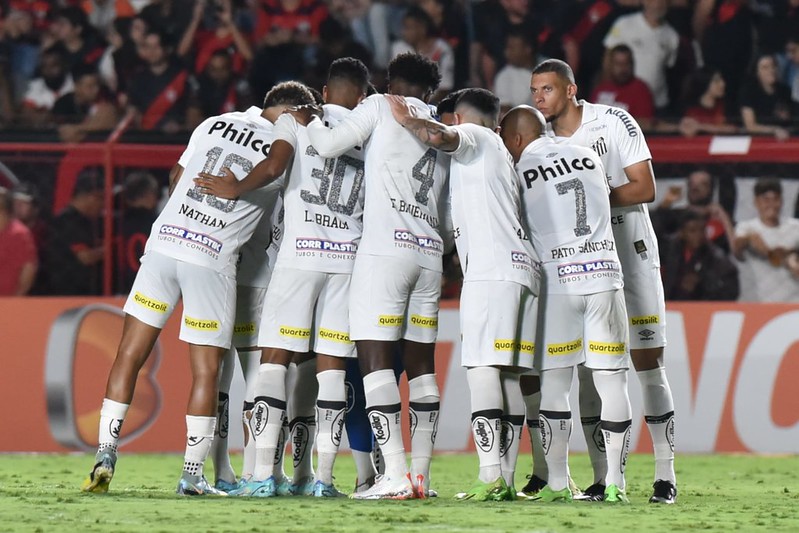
548 495
665 492
386 488
196 486
360 487
283 486
100 477
533 487
226 486
257 489
321 490
304 486
614 494
494 491
594 493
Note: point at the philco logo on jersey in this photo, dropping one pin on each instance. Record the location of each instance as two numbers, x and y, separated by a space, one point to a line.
558 168
244 328
390 320
510 345
335 336
625 119
424 321
326 246
427 243
565 348
609 348
200 324
587 267
150 303
644 320
243 138
296 333
192 236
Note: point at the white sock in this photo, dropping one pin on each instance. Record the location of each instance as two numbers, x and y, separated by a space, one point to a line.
269 416
302 425
364 466
385 411
590 417
112 415
199 436
250 363
533 405
556 424
659 416
512 422
424 406
485 390
219 446
330 409
616 421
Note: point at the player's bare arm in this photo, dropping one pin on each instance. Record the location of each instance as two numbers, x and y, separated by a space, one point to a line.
174 177
430 132
640 189
228 187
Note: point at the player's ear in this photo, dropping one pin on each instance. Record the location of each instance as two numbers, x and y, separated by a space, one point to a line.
458 118
324 93
571 90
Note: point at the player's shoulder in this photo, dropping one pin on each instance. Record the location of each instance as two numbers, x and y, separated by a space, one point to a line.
615 117
334 113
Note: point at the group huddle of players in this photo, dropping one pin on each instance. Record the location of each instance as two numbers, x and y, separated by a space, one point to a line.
310 239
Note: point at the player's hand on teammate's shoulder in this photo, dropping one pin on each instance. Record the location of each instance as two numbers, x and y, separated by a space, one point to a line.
304 113
224 186
400 108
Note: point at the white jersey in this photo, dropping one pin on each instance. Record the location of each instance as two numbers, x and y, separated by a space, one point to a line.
203 229
568 216
323 201
486 210
255 265
406 182
618 140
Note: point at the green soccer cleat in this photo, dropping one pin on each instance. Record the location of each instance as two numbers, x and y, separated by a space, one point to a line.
101 475
495 491
548 495
614 494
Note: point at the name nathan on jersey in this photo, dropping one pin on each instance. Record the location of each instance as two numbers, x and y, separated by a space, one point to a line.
193 237
402 236
202 218
587 267
326 246
414 210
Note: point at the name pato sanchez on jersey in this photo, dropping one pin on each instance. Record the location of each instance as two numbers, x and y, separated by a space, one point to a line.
489 234
617 138
203 229
323 201
568 214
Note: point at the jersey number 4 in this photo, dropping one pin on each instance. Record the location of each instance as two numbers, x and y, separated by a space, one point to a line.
213 155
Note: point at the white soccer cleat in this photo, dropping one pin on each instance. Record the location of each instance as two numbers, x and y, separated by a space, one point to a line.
386 488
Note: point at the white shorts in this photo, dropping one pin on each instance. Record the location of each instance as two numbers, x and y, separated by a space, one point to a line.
208 299
589 329
300 303
646 308
249 304
392 299
497 324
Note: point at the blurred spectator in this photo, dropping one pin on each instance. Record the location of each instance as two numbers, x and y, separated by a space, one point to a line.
725 29
449 21
39 10
768 247
157 93
700 193
371 22
121 58
141 195
17 250
418 35
22 42
654 44
53 83
86 110
694 268
335 41
777 20
216 91
706 111
72 29
789 65
27 209
512 84
622 89
766 101
74 247
102 13
169 17
212 29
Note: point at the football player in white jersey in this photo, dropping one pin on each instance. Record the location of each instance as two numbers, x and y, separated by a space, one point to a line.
192 253
396 280
498 301
567 211
616 137
323 210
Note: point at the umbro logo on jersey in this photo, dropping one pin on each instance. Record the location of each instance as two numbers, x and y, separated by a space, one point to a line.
557 169
646 334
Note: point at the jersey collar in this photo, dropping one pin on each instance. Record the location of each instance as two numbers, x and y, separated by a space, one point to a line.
589 112
254 113
537 145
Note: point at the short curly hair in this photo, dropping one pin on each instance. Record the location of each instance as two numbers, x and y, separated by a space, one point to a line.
415 69
288 93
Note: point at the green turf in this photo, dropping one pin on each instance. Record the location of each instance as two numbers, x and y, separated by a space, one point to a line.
717 493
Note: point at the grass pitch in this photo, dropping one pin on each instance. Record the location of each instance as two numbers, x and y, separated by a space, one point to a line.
717 493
